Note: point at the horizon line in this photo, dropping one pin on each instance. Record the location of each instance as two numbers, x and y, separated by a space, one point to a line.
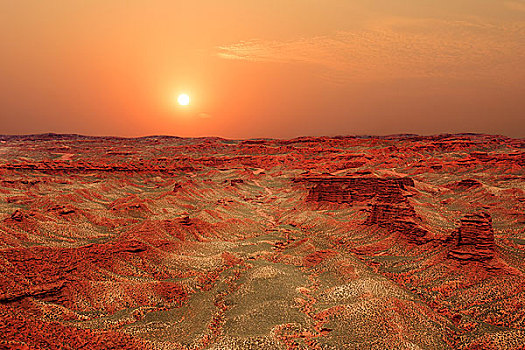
360 136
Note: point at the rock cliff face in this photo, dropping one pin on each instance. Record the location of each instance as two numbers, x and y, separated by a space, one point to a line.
474 240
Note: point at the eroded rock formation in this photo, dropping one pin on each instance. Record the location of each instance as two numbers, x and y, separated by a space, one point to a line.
474 239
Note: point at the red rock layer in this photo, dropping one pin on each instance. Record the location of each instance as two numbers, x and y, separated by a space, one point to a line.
474 240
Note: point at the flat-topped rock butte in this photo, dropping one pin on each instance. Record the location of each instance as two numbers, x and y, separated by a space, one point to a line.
395 242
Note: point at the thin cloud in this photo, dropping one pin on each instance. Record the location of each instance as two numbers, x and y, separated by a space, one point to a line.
401 48
515 5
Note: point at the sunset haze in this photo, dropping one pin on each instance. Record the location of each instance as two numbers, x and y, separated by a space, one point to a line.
272 68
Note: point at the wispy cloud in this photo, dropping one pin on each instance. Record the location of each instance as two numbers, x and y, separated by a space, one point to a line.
401 48
515 5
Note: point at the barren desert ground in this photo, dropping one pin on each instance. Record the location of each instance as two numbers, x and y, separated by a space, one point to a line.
400 242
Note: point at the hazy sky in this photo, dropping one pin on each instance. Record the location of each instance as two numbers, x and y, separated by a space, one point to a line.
262 68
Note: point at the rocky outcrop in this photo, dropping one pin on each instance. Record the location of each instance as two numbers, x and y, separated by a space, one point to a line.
185 221
234 182
465 184
474 239
18 215
177 187
63 209
399 217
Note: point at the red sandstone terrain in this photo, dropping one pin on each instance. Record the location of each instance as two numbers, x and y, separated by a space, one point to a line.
401 242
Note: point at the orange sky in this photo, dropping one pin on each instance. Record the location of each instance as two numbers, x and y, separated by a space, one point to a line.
272 68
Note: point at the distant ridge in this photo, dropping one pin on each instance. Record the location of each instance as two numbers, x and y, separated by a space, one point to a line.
402 136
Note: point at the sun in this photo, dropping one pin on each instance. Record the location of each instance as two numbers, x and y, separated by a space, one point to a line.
183 99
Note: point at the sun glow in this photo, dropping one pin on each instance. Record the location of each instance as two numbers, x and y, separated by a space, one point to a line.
183 99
